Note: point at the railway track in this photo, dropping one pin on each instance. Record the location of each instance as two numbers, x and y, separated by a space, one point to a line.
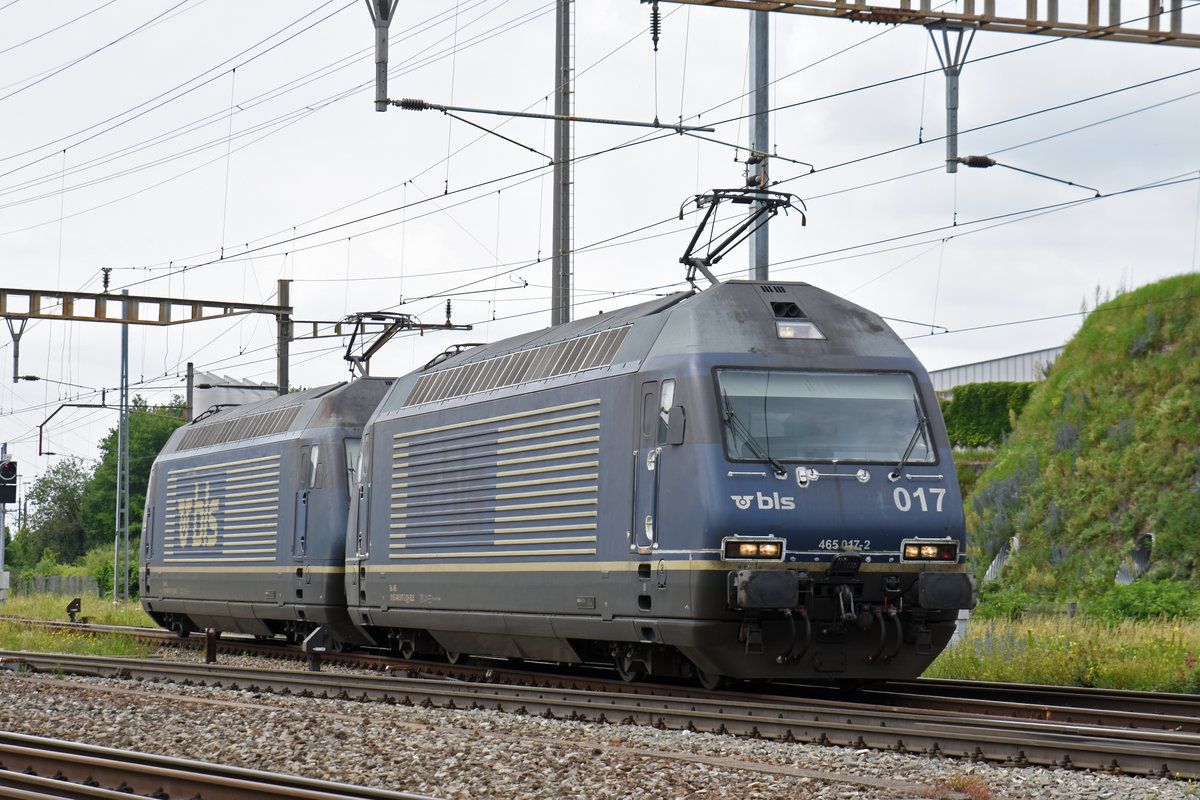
950 724
1062 703
32 768
1067 704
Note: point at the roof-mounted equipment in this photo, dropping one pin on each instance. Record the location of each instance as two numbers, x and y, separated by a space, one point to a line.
766 204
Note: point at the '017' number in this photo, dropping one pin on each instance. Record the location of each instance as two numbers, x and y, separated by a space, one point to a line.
904 499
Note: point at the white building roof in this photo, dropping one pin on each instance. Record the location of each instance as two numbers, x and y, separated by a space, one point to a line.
1030 366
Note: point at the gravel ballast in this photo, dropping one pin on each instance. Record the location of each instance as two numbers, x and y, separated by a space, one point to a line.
489 754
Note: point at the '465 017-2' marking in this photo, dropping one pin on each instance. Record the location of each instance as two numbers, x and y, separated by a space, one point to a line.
904 499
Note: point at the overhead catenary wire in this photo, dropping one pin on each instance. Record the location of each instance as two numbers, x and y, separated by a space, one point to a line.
124 117
981 127
960 231
891 151
655 223
63 68
184 89
1039 44
55 29
823 169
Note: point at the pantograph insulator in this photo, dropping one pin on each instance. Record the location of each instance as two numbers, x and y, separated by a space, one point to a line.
655 24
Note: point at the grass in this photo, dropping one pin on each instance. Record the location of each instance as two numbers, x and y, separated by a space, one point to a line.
53 607
16 635
1159 655
1156 655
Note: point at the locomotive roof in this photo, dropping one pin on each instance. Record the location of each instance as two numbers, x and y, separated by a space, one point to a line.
603 321
741 316
331 406
734 316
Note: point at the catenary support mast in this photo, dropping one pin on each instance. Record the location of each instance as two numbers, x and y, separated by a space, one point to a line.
756 166
560 289
121 541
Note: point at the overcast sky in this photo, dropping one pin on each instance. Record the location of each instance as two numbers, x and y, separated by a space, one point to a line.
208 148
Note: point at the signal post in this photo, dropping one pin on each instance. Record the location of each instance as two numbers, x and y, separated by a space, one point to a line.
8 494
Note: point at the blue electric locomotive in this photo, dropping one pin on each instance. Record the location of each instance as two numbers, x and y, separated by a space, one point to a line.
753 481
245 518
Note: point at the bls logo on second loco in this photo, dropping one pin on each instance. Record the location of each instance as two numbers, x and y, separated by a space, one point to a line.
765 502
198 519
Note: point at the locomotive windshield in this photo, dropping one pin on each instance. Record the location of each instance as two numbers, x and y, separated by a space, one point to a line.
790 415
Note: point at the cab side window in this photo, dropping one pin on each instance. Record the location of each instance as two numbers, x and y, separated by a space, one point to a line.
310 468
666 399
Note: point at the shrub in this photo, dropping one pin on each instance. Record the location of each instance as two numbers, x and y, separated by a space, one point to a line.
996 603
982 413
1146 600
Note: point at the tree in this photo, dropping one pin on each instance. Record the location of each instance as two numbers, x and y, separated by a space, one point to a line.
53 522
149 429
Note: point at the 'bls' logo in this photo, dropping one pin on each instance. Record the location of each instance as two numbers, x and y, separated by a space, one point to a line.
198 519
765 502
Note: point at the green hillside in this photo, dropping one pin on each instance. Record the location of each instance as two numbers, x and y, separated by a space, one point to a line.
1105 454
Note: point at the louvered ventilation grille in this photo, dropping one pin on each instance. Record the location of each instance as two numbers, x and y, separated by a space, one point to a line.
239 428
560 358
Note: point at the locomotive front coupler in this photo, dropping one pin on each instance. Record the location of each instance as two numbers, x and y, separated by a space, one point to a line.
845 604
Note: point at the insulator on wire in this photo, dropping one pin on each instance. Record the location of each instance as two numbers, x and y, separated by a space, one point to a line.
447 312
977 161
655 24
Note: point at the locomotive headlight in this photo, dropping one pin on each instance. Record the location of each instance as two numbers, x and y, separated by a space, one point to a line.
756 549
797 329
930 551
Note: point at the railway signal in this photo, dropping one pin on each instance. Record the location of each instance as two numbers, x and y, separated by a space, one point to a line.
8 481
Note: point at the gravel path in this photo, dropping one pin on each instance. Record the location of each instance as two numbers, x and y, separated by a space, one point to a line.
487 754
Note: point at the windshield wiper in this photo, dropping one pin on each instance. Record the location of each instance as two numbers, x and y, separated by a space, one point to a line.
922 421
739 428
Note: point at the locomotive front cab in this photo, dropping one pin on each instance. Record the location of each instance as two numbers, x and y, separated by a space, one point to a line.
843 540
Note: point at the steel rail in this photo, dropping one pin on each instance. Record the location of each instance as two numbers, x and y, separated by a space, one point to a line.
838 721
1093 706
37 767
1034 694
1100 707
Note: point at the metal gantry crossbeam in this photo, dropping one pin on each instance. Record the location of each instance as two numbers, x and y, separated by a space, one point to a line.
127 309
1170 22
131 309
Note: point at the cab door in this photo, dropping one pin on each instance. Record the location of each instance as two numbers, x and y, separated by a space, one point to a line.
309 455
656 400
646 470
361 515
